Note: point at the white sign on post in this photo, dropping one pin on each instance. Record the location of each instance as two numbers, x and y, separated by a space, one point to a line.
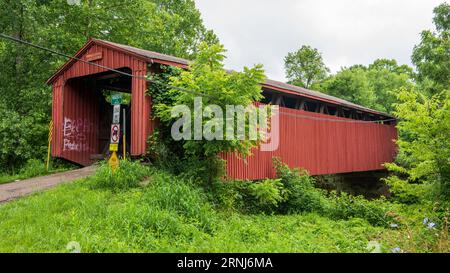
116 114
115 133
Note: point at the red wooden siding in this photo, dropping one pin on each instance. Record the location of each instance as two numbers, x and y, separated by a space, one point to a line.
84 104
140 109
80 124
320 146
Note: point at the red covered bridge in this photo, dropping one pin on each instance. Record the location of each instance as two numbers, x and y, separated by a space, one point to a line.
318 132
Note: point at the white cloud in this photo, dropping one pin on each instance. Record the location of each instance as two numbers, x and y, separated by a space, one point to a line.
346 32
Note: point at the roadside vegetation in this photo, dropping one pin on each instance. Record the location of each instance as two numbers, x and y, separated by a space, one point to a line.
159 212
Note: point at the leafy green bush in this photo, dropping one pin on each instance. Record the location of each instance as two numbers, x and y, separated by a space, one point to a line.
128 175
23 138
203 170
303 195
345 206
424 140
230 195
268 194
214 85
33 168
163 153
169 155
294 192
404 192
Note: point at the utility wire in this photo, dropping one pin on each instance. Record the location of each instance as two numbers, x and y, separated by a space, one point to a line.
97 65
17 40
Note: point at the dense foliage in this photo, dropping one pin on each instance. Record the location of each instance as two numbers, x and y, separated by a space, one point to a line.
294 192
374 86
424 148
424 112
208 81
431 55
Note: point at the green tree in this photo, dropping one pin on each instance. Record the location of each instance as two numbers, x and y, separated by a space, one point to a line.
305 67
374 86
432 55
424 112
424 143
209 81
391 66
351 84
385 79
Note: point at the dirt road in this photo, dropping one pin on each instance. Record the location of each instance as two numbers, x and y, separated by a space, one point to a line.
21 188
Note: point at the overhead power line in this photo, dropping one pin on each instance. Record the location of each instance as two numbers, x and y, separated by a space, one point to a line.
97 65
20 41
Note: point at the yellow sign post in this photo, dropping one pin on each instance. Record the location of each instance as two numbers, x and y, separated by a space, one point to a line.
113 147
115 133
113 161
50 133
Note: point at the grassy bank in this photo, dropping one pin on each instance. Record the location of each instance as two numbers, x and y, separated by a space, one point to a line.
166 214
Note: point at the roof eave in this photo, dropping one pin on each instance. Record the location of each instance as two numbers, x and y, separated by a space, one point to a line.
296 93
108 45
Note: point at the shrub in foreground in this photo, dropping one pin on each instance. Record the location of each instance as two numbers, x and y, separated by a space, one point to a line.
303 195
404 192
293 192
128 175
344 206
268 194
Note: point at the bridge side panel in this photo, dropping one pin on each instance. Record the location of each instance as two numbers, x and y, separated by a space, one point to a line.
329 146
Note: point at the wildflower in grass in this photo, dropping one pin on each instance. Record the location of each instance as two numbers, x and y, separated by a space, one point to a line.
425 221
431 225
393 225
396 250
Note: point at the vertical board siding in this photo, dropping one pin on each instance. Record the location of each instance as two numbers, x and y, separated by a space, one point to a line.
319 146
80 123
140 109
73 100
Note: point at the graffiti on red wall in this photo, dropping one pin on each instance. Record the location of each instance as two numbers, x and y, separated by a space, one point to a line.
76 133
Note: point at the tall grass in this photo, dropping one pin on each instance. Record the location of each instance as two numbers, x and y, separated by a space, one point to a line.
128 175
172 214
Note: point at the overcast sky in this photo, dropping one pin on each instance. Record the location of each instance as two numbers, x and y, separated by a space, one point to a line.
346 32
